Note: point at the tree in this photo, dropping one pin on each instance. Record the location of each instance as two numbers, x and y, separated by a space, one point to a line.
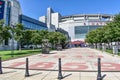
91 38
107 34
4 32
36 38
1 31
18 34
56 38
27 35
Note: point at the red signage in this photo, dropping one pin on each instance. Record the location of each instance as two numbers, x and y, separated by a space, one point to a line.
97 23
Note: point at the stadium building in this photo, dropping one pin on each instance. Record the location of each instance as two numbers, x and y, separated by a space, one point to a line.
11 13
77 25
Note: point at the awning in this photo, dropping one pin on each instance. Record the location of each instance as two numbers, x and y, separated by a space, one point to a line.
77 42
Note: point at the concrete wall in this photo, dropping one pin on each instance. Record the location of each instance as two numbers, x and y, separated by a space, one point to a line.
43 19
55 19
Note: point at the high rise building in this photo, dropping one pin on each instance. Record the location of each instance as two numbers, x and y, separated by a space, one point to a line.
11 13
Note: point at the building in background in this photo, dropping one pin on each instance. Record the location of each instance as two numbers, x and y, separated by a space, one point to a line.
74 26
78 25
11 13
51 19
33 24
2 6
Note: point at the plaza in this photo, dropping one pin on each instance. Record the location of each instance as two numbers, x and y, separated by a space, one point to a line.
58 46
77 64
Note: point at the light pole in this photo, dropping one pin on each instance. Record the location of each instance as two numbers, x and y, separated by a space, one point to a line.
12 43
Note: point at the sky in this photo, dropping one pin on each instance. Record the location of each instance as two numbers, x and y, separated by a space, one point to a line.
37 8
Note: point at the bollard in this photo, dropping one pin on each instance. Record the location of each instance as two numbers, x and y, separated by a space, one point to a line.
99 77
60 70
27 68
99 70
1 66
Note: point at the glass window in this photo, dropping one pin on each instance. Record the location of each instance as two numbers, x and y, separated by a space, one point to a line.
30 25
81 31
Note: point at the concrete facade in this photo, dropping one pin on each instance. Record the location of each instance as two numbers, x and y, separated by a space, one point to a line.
42 19
78 25
12 10
11 13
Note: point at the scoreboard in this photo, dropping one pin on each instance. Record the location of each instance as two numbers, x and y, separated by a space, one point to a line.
2 5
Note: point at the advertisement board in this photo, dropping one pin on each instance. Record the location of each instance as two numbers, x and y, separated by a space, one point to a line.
2 5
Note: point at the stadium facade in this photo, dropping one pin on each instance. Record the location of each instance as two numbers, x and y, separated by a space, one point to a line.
11 13
78 25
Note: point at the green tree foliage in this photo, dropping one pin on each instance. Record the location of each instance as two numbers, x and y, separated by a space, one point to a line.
91 37
56 38
36 38
18 33
27 35
106 34
4 32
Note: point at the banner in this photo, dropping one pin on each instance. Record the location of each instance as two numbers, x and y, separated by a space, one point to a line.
2 5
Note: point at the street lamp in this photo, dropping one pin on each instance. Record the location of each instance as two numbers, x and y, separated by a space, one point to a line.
12 43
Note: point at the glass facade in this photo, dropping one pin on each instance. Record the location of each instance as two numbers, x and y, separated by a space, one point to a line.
30 23
81 31
2 5
8 14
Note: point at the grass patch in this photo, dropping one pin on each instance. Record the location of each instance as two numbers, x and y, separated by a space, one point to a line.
6 55
109 51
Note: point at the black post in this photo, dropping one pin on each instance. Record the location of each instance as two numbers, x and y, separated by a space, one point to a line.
60 70
27 68
99 77
99 70
1 66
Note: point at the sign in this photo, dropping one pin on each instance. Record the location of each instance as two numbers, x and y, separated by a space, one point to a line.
2 5
97 23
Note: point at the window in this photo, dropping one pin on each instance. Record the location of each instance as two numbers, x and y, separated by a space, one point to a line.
81 31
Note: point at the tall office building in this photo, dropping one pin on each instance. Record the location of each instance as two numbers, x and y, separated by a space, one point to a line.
11 13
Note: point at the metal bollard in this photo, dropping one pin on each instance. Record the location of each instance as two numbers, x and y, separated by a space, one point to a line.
60 70
99 77
1 66
27 68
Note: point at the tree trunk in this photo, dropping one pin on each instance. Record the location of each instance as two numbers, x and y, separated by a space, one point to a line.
103 47
19 46
33 48
96 45
108 45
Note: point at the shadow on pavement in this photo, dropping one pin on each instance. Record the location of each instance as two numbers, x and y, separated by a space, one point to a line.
35 74
66 75
9 72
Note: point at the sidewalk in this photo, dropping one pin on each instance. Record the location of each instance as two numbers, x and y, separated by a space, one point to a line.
77 60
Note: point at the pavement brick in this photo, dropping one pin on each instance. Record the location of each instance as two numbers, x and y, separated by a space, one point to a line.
76 59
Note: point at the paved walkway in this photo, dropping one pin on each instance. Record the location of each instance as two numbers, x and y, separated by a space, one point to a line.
77 63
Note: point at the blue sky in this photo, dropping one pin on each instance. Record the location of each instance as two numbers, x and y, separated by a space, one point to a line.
36 8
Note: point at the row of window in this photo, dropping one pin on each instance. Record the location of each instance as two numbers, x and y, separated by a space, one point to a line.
29 25
81 31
